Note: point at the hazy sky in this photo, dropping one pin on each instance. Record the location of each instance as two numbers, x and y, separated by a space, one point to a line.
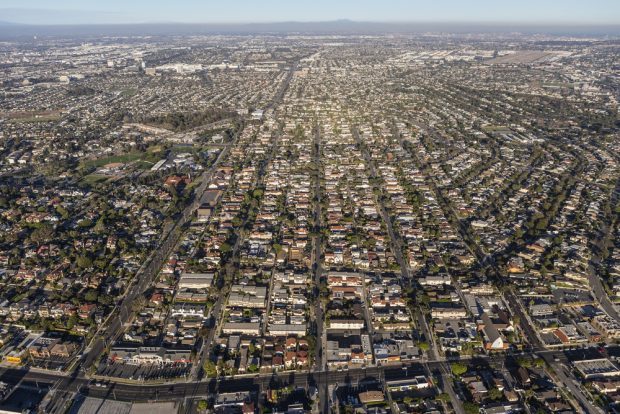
229 11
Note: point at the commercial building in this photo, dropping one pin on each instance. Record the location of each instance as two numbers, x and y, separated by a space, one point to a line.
597 368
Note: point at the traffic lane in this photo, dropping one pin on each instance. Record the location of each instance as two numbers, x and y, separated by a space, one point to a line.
144 391
153 263
570 385
229 383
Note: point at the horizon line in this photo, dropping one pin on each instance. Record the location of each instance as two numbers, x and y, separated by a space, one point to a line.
334 20
340 20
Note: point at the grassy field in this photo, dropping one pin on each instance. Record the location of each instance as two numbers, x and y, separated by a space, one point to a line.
145 159
33 116
91 179
143 164
123 158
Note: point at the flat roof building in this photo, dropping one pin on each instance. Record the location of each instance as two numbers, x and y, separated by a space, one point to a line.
196 280
597 368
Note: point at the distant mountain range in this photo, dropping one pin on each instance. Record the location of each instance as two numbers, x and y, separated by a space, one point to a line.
10 29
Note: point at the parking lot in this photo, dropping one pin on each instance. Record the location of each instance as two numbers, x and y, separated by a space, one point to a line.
147 372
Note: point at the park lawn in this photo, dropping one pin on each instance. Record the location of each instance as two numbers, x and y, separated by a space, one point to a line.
148 156
91 179
35 119
32 116
123 158
143 164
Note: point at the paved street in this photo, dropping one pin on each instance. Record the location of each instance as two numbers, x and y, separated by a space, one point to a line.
189 210
145 392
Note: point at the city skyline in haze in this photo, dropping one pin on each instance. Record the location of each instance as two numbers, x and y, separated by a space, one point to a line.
70 12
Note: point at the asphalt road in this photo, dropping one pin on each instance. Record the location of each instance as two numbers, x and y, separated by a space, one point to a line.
321 378
216 311
439 368
78 383
320 362
147 273
569 383
596 284
395 241
442 373
530 333
147 392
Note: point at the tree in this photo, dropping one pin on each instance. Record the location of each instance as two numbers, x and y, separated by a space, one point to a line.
72 321
42 234
444 397
105 299
210 368
101 263
91 295
100 226
518 234
225 248
471 408
84 262
139 303
495 394
85 223
458 369
62 211
524 362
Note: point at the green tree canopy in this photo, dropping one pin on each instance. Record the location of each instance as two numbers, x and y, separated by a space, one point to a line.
458 368
42 233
